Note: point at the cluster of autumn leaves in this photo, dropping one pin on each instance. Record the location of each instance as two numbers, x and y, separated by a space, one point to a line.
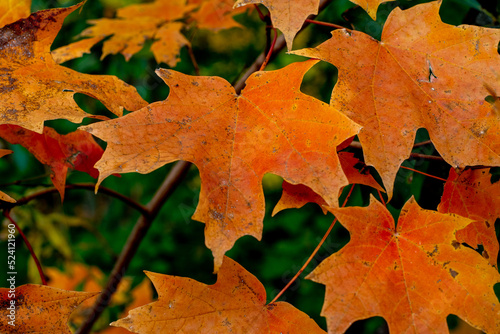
413 274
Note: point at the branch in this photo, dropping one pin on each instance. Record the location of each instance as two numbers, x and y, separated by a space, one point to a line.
90 186
140 229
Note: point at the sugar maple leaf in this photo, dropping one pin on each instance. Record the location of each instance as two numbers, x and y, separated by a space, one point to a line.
287 15
33 88
298 195
234 140
236 303
137 23
215 14
471 194
39 309
370 6
413 275
3 196
423 74
13 10
76 150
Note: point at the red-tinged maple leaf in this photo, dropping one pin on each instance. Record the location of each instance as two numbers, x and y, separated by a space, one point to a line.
13 10
471 194
215 14
422 74
74 50
370 6
38 309
76 150
413 275
298 195
236 303
137 23
3 196
33 88
287 15
234 140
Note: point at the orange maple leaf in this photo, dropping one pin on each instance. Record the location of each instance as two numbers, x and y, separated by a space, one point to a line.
471 194
38 309
3 196
297 195
413 275
137 23
236 303
77 150
370 6
287 15
13 10
33 88
422 74
234 140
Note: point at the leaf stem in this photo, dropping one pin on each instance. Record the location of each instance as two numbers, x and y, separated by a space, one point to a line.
138 233
429 175
6 213
313 253
263 66
326 24
381 198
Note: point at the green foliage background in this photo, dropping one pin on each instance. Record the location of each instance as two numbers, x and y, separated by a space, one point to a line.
93 229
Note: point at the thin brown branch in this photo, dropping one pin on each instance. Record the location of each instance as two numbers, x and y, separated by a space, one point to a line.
136 236
90 186
6 213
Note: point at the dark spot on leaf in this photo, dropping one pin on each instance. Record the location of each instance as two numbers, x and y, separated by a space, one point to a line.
455 244
453 273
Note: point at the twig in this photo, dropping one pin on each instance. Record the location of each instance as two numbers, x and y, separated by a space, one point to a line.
90 186
14 183
6 213
136 235
422 143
